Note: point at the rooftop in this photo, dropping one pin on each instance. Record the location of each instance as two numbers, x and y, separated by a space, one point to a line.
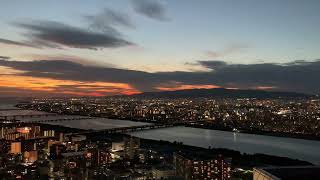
293 172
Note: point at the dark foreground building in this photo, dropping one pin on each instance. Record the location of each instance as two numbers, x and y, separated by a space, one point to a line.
199 166
287 173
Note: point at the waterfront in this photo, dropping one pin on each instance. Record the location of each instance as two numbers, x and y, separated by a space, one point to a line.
97 123
247 143
301 149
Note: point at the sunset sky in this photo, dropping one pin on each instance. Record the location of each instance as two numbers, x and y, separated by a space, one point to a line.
99 47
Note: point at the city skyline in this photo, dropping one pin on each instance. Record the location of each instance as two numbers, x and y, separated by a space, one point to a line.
127 47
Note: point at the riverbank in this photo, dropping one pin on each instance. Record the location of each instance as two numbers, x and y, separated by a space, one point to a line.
239 159
205 125
257 132
246 143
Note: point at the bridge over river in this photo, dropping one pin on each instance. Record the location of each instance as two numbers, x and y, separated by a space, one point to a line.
128 129
93 124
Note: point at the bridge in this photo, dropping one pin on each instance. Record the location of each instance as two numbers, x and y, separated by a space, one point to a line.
125 129
54 118
43 120
133 128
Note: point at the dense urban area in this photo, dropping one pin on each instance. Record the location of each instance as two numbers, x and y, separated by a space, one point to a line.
35 144
296 117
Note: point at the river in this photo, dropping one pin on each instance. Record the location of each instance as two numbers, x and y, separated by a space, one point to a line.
97 123
301 149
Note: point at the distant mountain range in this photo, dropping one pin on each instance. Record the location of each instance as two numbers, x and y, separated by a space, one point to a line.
220 93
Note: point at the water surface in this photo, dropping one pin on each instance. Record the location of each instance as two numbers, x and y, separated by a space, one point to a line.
307 150
97 123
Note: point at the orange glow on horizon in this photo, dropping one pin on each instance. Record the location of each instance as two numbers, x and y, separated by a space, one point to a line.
67 87
188 86
265 87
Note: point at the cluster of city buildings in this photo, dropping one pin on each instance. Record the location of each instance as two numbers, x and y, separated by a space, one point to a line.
30 150
292 116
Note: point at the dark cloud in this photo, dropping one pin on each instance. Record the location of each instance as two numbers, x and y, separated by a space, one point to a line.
67 70
153 9
60 91
16 43
295 76
213 64
57 35
20 92
72 58
106 20
299 76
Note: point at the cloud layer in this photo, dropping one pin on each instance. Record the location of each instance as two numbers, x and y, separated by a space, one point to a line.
299 76
17 43
151 8
107 19
100 31
55 34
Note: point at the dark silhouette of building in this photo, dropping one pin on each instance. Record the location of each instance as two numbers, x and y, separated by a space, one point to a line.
199 166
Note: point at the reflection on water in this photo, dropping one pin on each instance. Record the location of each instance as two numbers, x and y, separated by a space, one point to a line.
307 150
98 123
7 106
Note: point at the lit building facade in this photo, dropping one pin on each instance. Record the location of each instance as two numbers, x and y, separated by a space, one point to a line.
131 147
191 167
30 156
15 148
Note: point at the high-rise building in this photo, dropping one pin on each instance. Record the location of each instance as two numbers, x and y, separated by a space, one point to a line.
4 146
15 148
61 137
28 145
163 172
117 146
35 131
56 151
2 132
104 157
92 157
131 147
48 133
198 166
50 143
30 156
13 133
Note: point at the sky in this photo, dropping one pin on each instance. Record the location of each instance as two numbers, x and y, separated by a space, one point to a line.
98 47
